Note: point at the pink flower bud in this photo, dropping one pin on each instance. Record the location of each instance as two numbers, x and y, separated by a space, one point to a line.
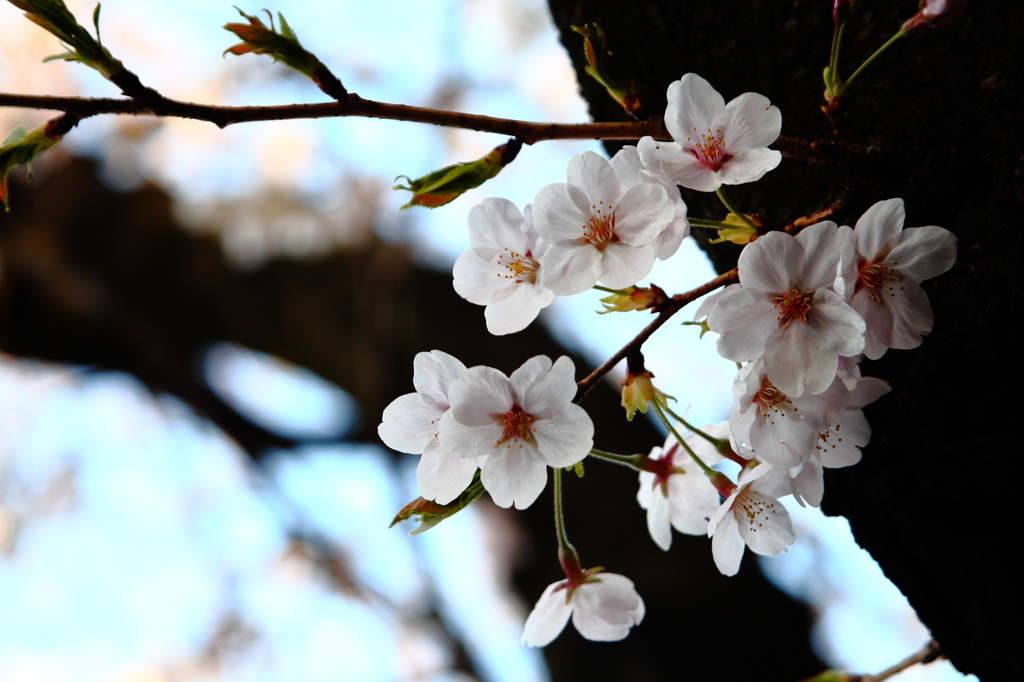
935 13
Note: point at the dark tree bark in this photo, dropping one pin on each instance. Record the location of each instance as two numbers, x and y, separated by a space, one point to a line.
938 123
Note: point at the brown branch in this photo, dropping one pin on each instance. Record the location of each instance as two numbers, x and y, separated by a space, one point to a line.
929 653
675 304
527 132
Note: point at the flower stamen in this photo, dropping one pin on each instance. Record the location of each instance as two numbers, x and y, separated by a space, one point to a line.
600 229
520 267
516 425
792 305
875 278
772 402
709 148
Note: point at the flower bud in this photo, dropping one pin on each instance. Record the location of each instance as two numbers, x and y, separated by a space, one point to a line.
637 387
637 298
284 47
430 513
445 185
840 11
741 234
55 17
934 13
606 70
21 147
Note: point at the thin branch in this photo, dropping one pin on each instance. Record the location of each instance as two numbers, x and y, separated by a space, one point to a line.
929 653
674 305
527 132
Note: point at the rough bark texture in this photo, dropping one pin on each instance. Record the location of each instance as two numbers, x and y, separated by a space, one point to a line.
939 120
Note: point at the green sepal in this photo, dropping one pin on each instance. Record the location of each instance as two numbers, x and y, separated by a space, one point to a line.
282 47
445 185
20 148
54 16
429 513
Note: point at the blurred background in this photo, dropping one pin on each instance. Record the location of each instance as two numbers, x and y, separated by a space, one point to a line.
201 327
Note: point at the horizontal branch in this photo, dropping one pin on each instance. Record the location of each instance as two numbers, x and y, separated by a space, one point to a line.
674 305
527 132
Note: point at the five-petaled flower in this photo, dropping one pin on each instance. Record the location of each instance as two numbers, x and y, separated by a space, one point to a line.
883 267
715 143
603 606
786 310
502 270
524 423
597 231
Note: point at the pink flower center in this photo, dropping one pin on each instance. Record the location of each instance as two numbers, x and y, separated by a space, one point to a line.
792 305
709 148
600 229
516 425
876 277
771 402
520 267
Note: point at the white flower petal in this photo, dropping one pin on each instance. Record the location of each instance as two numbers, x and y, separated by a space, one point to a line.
678 164
566 438
692 104
878 226
764 524
514 475
809 484
555 216
750 122
643 214
478 395
605 611
627 166
548 618
496 224
516 311
433 373
409 423
745 318
550 391
727 546
442 477
571 267
479 281
467 441
771 263
659 517
796 361
838 327
592 173
921 253
823 245
623 266
748 165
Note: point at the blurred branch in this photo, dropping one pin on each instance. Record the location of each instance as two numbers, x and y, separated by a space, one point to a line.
526 132
929 653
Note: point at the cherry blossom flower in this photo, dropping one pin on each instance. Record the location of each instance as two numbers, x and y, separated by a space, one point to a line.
775 427
524 423
502 271
752 516
883 267
786 310
715 143
603 606
839 443
631 171
678 494
597 231
411 422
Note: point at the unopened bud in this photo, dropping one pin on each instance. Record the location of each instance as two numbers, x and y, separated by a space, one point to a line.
935 13
743 233
21 148
606 70
636 298
445 185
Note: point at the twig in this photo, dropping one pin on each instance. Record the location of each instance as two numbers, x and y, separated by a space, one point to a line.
527 132
675 304
929 653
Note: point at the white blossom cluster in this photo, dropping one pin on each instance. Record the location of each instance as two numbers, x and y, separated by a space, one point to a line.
806 309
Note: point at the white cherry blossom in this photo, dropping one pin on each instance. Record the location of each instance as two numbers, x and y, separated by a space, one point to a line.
603 608
411 423
679 495
715 143
839 443
775 427
752 516
631 171
597 231
883 267
502 270
787 311
524 423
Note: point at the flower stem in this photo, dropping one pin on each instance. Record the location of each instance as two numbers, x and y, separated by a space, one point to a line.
716 224
611 291
833 61
565 548
870 59
716 442
732 209
631 461
704 467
